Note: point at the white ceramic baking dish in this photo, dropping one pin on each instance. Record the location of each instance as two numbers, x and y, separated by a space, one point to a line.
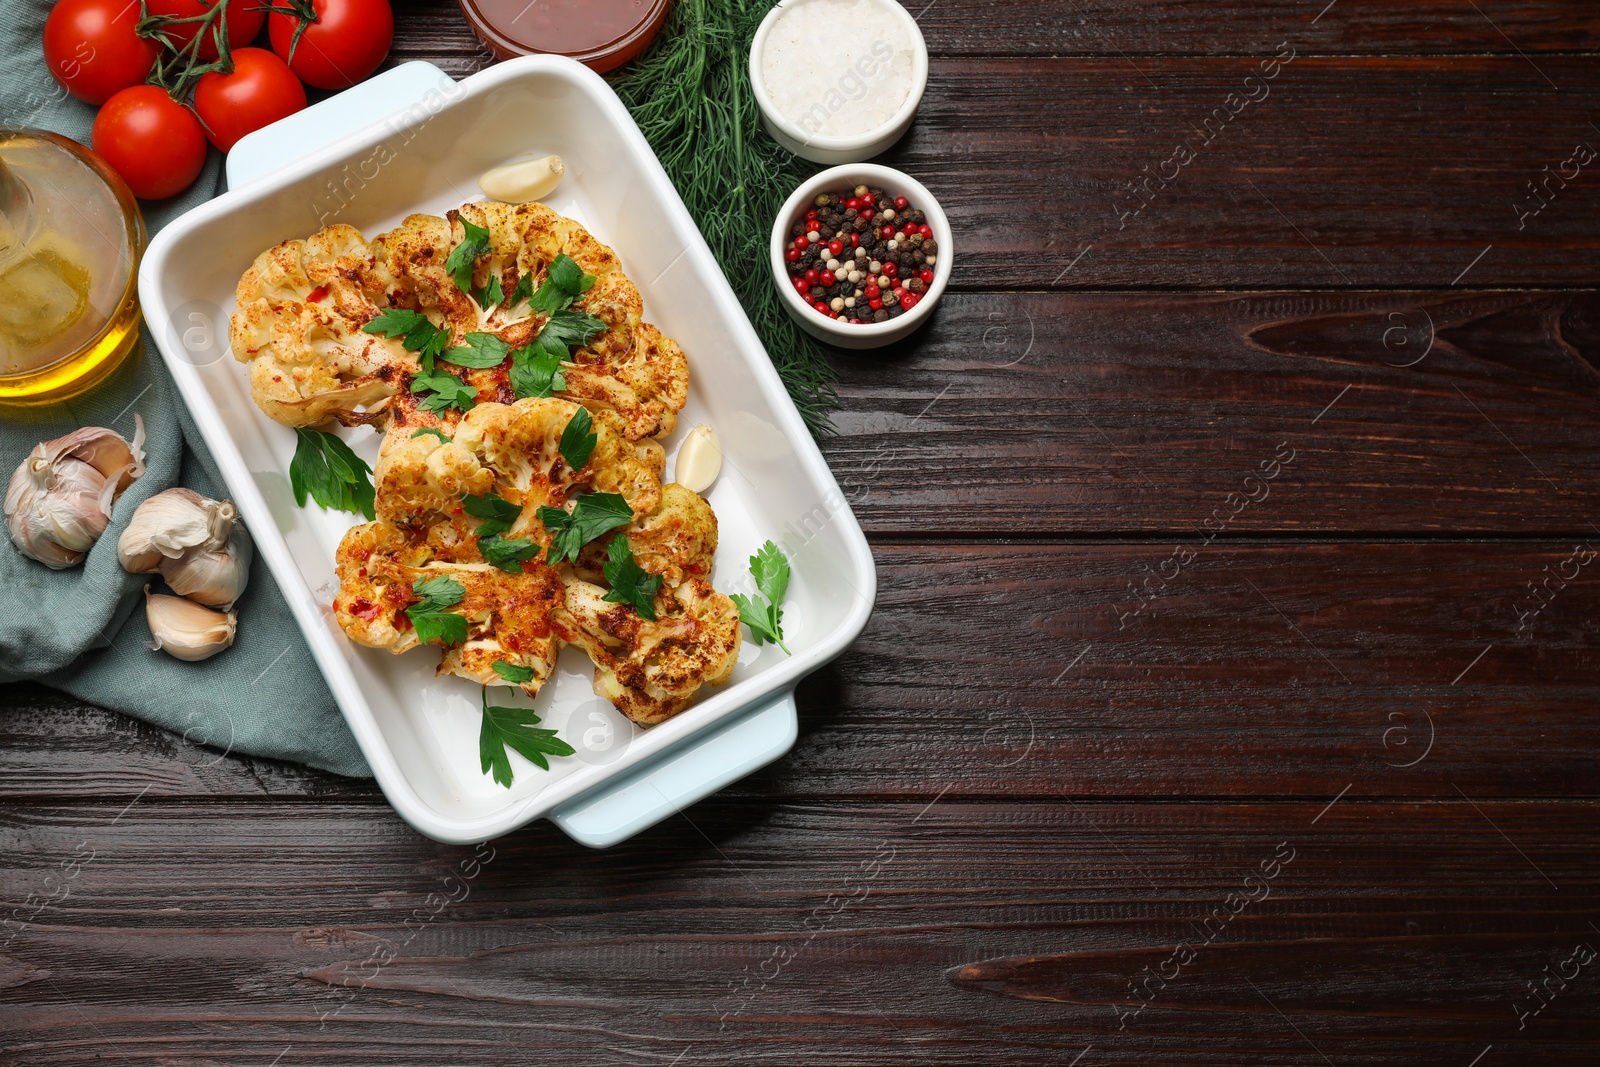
412 140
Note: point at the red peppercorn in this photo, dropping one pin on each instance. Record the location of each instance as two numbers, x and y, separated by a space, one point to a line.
891 269
820 306
811 214
801 286
855 240
909 229
801 241
909 301
836 247
813 277
868 200
853 204
793 255
888 232
875 304
901 203
926 275
925 230
867 214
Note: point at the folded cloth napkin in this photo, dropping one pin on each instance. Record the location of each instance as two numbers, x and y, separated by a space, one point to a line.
83 629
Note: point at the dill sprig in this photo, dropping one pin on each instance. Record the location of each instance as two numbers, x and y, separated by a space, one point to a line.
690 94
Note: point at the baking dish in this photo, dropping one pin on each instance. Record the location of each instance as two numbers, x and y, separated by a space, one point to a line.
412 140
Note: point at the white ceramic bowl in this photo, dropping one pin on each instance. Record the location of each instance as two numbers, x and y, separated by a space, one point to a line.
837 331
816 147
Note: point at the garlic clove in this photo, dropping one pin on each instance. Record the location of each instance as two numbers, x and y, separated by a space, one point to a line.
186 630
169 525
217 576
699 460
517 183
60 499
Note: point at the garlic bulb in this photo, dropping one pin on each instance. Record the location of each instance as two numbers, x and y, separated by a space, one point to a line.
186 630
699 460
194 542
517 183
60 499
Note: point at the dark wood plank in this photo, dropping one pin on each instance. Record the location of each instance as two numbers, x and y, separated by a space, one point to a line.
1347 173
1031 670
435 31
853 933
1069 414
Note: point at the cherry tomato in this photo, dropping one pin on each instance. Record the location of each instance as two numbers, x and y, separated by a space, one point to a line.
260 90
92 50
243 19
155 143
346 42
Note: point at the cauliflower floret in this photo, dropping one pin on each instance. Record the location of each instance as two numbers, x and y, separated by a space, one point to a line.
298 326
652 670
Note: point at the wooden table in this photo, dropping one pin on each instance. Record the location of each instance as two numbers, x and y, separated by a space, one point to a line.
1230 697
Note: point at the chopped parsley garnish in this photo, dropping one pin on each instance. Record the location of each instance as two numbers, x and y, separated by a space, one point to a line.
444 390
513 673
464 257
508 553
593 515
327 471
482 350
577 443
630 583
432 622
416 332
563 284
491 294
433 430
514 728
572 328
536 368
764 614
498 513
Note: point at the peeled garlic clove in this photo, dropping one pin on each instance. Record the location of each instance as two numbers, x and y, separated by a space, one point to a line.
169 525
60 498
699 460
216 576
186 630
517 183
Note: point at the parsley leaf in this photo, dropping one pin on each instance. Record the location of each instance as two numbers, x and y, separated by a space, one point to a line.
536 368
428 616
577 443
513 673
498 513
433 430
508 553
593 515
514 728
465 255
491 294
572 327
523 289
764 614
630 583
446 391
481 350
327 471
564 283
416 332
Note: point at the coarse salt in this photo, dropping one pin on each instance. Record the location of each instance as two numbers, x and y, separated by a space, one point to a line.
852 84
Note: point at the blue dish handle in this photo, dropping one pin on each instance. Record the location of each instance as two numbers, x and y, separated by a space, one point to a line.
742 743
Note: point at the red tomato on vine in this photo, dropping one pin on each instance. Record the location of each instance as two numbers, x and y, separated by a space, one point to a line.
153 141
92 49
332 44
260 90
243 19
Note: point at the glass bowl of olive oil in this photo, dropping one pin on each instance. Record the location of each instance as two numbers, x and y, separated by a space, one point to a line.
70 240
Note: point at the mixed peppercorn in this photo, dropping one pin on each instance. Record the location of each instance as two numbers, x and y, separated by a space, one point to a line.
861 255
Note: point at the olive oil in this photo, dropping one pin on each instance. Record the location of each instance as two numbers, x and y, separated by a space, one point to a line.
70 240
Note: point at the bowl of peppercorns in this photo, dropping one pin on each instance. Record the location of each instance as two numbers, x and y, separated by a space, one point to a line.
861 253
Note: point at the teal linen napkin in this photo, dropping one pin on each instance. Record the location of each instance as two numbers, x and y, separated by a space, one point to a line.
83 629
